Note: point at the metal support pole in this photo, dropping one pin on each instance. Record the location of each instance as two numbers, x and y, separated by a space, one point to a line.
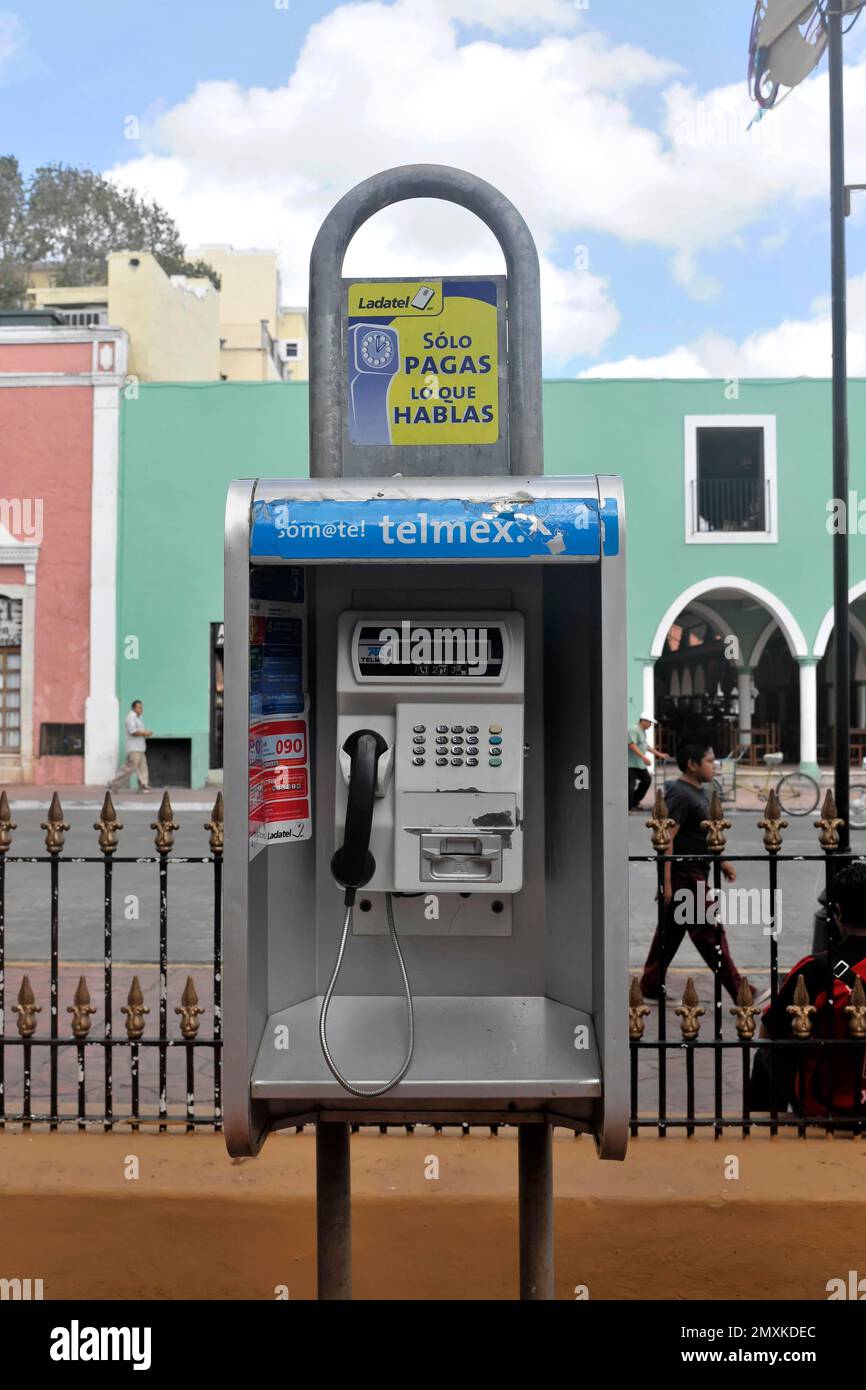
840 416
333 1211
535 1199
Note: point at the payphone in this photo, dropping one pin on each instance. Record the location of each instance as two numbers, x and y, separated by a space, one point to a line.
426 859
424 793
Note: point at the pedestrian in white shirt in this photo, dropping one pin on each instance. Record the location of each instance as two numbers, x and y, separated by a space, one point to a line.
136 757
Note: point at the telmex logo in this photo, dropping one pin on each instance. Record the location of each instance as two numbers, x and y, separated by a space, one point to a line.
438 646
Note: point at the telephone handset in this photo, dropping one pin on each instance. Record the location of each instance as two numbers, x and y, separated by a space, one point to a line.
352 864
430 754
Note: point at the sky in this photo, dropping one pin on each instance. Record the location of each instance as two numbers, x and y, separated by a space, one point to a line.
674 240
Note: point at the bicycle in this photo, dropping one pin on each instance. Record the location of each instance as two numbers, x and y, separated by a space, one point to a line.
798 793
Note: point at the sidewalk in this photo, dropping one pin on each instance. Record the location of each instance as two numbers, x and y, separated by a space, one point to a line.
679 1219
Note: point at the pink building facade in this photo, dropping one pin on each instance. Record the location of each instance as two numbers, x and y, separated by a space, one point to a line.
59 458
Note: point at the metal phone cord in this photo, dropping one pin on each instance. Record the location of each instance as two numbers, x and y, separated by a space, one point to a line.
410 1007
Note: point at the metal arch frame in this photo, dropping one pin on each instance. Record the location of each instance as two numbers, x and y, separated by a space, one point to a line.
523 309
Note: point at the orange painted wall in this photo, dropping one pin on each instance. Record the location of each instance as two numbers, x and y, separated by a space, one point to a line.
47 448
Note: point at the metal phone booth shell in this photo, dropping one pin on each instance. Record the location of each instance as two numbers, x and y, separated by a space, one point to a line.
521 1008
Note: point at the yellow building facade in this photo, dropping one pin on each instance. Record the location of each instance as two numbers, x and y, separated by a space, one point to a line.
180 327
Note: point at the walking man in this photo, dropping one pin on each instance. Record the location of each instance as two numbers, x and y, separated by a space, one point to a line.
688 908
136 757
638 760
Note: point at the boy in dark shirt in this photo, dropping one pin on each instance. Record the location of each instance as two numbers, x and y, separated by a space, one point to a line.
825 1081
685 884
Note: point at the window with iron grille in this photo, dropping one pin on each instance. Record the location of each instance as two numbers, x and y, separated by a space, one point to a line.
10 699
730 478
61 740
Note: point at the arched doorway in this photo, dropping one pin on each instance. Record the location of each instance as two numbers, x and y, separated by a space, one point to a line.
727 669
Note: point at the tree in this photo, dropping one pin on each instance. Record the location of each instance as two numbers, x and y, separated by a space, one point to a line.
73 219
13 207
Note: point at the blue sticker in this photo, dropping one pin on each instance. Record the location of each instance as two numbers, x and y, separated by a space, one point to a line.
440 529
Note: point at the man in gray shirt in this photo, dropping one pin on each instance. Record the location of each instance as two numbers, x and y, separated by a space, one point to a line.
136 756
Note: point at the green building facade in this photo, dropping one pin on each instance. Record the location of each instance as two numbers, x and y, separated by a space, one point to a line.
729 515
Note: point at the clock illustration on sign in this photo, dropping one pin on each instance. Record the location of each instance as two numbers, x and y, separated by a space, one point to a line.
377 348
374 361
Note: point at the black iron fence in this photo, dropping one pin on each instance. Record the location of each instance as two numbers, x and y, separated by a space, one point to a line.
131 1070
704 1079
124 1061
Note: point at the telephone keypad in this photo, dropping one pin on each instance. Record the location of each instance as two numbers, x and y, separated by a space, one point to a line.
458 746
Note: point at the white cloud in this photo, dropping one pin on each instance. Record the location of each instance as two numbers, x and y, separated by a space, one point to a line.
504 16
795 347
11 42
577 308
549 122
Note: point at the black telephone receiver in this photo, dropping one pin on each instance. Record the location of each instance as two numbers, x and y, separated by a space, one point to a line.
352 864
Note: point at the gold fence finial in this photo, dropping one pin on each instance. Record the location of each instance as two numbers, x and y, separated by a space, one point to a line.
744 1011
801 1010
55 826
215 826
108 826
164 825
7 824
81 1009
189 1009
772 824
660 824
637 1010
690 1012
135 1009
26 1009
716 825
829 823
856 1010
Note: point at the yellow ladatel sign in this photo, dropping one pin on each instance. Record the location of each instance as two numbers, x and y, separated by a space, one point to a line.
423 362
